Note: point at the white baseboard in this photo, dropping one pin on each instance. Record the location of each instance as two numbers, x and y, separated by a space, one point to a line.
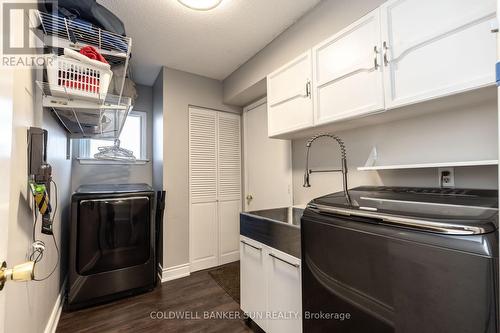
56 310
174 272
229 257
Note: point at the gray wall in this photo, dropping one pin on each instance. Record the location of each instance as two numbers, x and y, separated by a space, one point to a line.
119 174
29 305
180 90
467 133
245 84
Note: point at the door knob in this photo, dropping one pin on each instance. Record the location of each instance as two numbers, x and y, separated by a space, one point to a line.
22 272
249 198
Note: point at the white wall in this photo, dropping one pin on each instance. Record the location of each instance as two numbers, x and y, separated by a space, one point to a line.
29 305
460 134
84 174
245 84
181 90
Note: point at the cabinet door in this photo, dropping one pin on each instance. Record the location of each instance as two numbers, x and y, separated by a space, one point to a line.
284 292
289 96
347 72
436 48
253 280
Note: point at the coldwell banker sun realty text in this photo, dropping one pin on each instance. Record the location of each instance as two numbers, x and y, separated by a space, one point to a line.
238 315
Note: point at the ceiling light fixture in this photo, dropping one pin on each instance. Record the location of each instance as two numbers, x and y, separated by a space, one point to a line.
200 4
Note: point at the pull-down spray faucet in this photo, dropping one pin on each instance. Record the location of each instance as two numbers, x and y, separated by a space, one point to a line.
343 160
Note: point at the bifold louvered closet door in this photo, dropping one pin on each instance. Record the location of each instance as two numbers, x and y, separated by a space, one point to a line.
214 187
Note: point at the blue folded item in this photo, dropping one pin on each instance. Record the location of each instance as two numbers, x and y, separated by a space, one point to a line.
114 42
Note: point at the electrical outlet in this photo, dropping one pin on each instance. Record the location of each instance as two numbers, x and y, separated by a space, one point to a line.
446 177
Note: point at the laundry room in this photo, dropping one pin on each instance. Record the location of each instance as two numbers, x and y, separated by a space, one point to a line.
249 166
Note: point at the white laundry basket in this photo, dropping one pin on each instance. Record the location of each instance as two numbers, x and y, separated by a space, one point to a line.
71 78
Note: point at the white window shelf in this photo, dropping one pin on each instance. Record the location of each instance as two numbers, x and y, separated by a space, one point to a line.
82 160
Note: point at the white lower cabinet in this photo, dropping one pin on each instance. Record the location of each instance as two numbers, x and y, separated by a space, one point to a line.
253 280
271 292
284 295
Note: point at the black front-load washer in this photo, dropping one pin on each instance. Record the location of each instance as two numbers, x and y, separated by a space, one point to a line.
405 260
112 243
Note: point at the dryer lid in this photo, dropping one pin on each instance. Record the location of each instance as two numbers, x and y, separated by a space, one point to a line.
113 188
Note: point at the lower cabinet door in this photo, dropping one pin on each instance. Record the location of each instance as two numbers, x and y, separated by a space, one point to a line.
284 299
253 280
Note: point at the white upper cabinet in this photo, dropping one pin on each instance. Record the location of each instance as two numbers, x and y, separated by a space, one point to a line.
405 52
435 48
289 96
347 72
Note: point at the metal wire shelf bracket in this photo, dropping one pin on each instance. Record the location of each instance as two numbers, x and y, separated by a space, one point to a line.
60 32
110 111
86 119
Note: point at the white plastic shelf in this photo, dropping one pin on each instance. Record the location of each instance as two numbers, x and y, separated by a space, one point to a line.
428 165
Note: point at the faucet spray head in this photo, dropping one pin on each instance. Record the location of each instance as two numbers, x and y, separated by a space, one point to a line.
306 179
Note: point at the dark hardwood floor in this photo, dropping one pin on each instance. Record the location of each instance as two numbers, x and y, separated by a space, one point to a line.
195 295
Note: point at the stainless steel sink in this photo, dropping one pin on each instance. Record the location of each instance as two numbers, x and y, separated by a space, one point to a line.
288 215
279 228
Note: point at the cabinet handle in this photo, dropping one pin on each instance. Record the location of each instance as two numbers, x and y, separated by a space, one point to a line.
386 59
308 89
283 260
375 57
253 246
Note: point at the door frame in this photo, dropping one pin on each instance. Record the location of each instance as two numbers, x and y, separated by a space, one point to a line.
246 109
6 125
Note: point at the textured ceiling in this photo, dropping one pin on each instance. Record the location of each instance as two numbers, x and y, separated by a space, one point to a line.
211 43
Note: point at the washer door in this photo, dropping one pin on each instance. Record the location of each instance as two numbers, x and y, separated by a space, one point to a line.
112 234
391 284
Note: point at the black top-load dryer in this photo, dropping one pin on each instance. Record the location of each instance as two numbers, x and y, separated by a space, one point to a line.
405 260
112 243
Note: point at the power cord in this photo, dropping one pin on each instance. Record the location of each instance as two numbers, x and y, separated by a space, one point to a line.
38 245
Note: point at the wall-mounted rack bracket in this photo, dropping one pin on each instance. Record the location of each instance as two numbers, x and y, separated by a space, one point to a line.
103 119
